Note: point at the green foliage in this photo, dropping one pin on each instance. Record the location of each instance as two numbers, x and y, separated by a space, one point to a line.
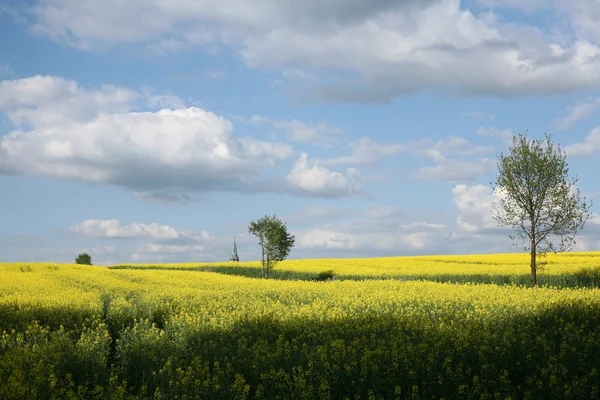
550 356
96 333
84 259
538 200
274 239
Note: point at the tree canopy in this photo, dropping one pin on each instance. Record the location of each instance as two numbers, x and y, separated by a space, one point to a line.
84 259
274 239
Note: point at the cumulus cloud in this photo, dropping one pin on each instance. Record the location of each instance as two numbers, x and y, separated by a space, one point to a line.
474 207
590 145
386 48
46 101
313 178
65 131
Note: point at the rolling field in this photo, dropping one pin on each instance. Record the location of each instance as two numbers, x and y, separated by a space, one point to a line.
562 269
382 329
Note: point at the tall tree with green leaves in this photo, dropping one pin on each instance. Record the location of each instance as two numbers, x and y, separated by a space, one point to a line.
538 199
274 239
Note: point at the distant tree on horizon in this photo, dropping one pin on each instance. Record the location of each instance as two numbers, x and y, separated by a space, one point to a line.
538 199
84 259
274 239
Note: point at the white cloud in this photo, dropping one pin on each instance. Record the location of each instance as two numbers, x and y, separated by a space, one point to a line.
578 111
590 145
316 179
391 47
48 101
474 206
177 149
365 151
298 131
115 229
65 131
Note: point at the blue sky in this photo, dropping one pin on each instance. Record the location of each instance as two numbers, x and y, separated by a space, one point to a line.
154 131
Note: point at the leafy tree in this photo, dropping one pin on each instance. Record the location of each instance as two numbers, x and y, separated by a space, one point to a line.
274 240
538 199
84 258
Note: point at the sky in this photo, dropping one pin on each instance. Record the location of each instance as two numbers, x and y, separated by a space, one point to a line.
146 131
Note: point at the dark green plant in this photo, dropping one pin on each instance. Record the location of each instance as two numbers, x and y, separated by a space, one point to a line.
84 259
538 199
274 239
325 275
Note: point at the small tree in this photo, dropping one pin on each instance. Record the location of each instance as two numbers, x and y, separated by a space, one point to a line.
274 240
537 198
84 259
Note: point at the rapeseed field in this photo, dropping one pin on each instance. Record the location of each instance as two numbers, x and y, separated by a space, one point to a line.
188 331
561 269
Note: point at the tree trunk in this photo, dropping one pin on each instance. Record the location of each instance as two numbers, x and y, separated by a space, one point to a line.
262 246
268 266
533 262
